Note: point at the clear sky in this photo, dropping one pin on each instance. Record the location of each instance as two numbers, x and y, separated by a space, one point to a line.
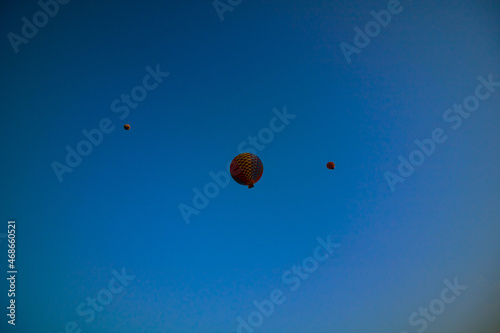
120 240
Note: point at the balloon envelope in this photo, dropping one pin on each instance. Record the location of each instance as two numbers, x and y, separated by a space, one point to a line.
246 169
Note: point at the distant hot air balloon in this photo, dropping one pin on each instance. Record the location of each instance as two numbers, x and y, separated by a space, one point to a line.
330 165
246 169
126 126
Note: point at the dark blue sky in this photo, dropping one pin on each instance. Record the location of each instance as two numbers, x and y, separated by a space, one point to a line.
272 73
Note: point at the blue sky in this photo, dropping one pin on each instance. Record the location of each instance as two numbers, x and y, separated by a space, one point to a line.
227 80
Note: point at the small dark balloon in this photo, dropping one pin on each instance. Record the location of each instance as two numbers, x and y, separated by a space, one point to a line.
246 169
330 165
127 127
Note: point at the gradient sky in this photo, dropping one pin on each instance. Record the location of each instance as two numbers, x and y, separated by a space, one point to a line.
119 208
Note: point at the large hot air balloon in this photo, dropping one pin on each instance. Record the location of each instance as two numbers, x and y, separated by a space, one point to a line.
330 165
246 169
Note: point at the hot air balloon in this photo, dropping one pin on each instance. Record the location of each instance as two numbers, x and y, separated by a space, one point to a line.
330 165
126 126
246 169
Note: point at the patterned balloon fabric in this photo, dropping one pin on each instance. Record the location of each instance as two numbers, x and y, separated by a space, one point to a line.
246 169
